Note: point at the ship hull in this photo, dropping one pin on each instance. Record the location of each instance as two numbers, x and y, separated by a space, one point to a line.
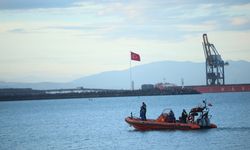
221 88
151 124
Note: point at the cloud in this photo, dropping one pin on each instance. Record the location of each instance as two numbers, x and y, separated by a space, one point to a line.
32 4
86 31
18 30
237 21
236 16
82 33
75 27
140 19
236 10
207 26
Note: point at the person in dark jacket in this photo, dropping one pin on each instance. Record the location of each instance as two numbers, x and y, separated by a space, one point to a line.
171 116
143 111
184 116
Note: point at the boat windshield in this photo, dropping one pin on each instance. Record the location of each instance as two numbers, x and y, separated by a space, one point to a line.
166 110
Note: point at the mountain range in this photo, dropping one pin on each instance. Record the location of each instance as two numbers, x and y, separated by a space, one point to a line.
192 73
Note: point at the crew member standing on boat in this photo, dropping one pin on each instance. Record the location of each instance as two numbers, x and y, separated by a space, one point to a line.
171 116
184 116
143 111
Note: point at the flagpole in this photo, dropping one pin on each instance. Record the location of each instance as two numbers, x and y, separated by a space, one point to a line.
130 72
135 57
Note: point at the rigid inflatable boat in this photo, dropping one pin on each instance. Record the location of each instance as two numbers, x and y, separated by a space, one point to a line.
164 121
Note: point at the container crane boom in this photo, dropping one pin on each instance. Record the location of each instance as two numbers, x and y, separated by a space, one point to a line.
214 64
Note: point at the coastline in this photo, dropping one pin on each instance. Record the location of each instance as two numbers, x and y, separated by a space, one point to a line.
30 94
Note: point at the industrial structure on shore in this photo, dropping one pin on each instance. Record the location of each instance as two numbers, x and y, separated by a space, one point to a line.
215 74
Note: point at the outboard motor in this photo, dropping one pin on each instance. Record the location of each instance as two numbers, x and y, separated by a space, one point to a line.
204 121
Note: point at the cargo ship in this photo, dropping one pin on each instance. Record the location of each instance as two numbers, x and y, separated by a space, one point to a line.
221 88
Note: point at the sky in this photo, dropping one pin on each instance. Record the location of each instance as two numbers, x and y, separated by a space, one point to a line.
62 40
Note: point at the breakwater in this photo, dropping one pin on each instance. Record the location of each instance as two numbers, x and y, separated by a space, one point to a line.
30 94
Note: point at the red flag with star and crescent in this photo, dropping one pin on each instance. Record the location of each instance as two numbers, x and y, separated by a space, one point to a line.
135 56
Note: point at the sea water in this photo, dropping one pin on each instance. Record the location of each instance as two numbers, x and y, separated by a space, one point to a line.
98 123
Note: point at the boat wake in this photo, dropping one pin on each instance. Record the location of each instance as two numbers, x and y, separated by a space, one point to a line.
234 128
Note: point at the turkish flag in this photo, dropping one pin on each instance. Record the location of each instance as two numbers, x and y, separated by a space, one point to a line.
135 56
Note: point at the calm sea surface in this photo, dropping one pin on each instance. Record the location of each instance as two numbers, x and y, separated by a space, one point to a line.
98 123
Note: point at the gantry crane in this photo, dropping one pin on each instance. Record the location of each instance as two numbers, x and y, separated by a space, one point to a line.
214 64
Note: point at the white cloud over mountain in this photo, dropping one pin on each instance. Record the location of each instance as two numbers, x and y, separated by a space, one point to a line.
70 38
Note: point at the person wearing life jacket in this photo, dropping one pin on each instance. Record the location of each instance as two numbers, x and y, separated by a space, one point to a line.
143 111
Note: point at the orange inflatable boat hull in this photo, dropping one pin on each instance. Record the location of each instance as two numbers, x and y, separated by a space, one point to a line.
151 124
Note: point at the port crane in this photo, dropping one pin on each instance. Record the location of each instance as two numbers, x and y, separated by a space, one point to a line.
215 74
